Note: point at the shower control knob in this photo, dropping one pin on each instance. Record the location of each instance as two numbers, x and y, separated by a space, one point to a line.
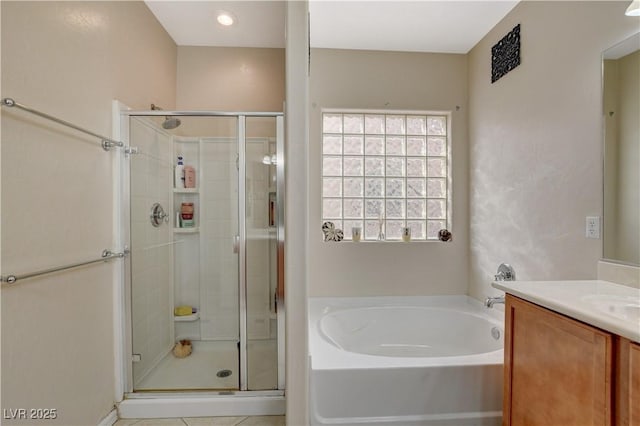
158 215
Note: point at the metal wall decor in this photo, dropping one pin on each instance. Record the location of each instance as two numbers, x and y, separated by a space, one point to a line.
505 54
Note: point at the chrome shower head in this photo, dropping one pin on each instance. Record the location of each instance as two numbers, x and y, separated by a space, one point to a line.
169 122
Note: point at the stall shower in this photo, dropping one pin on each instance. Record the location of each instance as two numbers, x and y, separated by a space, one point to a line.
203 288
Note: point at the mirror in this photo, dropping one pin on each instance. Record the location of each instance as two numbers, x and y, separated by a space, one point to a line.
621 96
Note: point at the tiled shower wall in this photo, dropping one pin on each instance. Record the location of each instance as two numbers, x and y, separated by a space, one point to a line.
151 248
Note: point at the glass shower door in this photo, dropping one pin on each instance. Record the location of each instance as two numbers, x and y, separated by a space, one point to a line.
151 245
185 265
261 253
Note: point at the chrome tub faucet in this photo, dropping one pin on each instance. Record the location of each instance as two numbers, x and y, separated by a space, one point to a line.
505 273
490 301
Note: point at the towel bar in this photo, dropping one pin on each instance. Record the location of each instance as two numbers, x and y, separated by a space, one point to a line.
106 256
107 143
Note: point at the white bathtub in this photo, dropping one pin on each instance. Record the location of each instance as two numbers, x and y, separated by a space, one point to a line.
405 361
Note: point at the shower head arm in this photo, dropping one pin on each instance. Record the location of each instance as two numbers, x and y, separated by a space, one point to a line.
169 121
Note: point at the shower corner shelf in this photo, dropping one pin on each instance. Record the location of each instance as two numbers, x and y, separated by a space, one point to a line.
185 190
187 318
186 230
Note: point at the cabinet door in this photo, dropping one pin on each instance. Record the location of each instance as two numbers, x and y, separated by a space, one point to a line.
627 397
557 370
634 386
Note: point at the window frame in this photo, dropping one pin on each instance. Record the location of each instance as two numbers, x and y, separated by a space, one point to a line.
448 178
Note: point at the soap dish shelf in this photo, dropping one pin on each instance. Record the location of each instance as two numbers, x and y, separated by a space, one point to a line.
187 318
187 230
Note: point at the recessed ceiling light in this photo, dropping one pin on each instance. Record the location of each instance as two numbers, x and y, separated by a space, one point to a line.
225 18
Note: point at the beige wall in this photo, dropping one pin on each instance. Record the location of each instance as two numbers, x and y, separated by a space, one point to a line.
536 142
388 80
69 59
230 78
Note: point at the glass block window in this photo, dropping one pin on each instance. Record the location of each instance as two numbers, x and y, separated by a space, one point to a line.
386 168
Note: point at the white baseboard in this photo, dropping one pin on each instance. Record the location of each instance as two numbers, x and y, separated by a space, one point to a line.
109 419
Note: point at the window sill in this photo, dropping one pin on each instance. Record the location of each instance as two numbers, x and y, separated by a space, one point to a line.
386 241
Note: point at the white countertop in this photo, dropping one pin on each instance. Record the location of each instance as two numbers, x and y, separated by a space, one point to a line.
611 307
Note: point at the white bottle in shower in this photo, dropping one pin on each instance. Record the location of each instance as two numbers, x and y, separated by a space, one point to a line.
179 174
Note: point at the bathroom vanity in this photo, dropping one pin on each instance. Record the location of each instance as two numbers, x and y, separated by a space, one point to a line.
572 353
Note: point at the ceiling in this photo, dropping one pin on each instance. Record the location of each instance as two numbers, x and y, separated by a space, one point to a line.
623 48
448 26
193 23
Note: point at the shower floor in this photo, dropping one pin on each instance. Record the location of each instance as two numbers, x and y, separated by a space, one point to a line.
199 370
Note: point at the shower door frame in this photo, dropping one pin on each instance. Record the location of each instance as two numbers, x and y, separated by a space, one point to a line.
122 203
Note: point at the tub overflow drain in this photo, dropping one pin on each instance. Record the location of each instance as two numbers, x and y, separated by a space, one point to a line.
495 333
224 373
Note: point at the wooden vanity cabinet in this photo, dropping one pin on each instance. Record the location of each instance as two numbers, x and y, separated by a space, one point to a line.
558 371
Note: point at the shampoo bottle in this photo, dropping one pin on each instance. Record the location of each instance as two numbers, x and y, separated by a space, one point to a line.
189 177
179 174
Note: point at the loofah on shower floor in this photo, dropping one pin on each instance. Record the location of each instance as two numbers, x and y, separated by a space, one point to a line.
182 349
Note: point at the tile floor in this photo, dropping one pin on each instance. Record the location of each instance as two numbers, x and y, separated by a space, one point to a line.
206 421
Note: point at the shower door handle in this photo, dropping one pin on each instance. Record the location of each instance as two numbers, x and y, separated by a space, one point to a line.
236 244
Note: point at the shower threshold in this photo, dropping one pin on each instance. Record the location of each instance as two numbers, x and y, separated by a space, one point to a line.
192 387
201 404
